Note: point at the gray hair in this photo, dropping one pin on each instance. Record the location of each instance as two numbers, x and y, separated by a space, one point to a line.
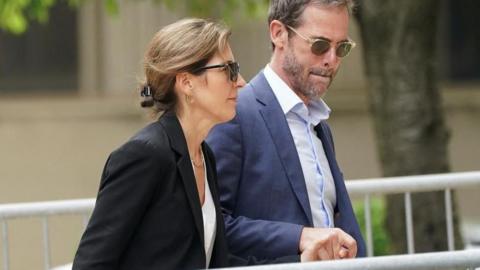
289 12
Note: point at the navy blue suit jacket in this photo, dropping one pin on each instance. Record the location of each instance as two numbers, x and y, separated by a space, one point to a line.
262 187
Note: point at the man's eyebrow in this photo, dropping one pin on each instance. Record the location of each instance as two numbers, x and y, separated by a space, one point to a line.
329 40
321 37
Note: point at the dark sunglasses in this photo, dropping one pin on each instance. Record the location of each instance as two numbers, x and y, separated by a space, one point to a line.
320 46
232 67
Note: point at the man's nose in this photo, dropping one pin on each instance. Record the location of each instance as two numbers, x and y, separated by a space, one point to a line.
330 57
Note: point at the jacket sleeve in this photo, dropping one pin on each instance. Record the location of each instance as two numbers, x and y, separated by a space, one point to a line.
238 261
245 236
128 183
234 260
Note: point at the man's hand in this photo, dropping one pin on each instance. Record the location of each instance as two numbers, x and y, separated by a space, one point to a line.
326 244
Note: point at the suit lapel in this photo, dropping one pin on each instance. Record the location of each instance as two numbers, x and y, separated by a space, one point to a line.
219 254
277 125
212 184
211 175
179 145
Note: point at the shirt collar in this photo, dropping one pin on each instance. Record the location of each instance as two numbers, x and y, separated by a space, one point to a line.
284 94
315 112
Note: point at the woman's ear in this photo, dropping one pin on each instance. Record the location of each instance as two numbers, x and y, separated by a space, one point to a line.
183 83
278 34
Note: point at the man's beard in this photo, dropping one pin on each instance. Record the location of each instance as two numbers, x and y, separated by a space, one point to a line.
299 78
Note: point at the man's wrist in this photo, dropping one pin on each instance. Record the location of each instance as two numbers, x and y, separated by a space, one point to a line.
304 239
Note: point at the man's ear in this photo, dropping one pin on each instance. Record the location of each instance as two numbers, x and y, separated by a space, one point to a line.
278 34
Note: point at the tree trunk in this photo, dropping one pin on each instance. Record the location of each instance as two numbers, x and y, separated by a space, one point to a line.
399 49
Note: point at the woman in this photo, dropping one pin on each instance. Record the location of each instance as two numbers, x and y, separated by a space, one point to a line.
158 206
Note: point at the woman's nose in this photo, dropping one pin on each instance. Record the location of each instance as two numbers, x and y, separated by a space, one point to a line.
240 81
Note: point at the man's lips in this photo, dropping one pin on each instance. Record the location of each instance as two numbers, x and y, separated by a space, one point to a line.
322 74
325 78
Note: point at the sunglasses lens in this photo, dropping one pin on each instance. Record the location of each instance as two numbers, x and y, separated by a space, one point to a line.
234 69
343 49
320 46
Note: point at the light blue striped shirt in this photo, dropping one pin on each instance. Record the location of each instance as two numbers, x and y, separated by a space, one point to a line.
301 120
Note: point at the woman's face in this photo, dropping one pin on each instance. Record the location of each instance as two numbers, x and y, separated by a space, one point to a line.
215 94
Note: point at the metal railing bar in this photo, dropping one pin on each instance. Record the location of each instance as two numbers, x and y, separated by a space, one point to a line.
390 185
46 243
6 256
434 260
48 208
368 225
417 183
409 223
449 219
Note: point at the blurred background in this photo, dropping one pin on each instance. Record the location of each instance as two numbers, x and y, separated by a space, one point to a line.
68 98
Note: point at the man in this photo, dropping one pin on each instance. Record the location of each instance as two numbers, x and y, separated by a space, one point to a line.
279 180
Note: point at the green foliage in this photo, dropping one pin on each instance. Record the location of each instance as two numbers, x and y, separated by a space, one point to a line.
15 15
381 241
111 6
219 8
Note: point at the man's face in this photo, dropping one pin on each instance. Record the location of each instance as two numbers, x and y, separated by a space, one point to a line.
308 74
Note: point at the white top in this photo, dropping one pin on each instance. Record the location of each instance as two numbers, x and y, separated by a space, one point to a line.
301 120
209 219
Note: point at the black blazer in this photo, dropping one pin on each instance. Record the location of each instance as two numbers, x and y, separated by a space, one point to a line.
148 213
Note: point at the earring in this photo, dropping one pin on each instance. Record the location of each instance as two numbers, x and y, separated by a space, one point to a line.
188 99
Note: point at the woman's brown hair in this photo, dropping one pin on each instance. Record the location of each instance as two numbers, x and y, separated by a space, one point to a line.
183 46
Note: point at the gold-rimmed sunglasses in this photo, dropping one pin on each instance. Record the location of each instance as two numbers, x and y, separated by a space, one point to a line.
320 46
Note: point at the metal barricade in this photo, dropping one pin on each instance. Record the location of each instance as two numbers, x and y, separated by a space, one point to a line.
362 187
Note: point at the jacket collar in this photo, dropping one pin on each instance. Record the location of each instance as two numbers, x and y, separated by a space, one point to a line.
178 144
277 125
